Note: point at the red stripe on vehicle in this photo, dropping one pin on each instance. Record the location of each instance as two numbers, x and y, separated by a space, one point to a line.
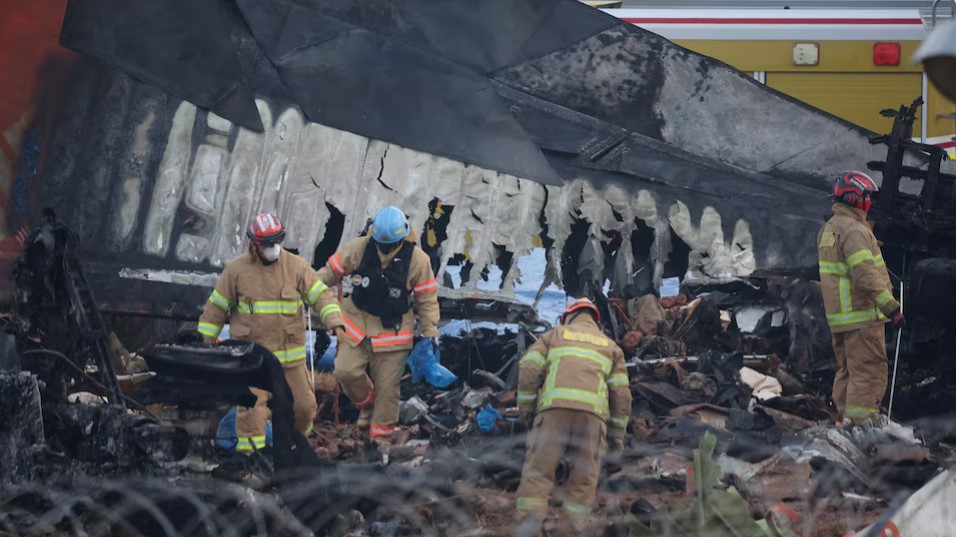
702 20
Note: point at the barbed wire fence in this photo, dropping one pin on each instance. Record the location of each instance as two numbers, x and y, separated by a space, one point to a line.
466 489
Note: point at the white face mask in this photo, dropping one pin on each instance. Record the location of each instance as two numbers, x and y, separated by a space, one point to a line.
270 253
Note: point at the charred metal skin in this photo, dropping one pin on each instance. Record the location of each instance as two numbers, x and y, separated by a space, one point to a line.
237 365
917 222
55 300
618 143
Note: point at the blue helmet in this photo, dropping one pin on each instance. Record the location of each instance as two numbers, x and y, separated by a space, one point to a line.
389 225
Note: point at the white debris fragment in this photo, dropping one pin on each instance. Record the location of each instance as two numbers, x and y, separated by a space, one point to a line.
85 398
929 512
182 277
764 386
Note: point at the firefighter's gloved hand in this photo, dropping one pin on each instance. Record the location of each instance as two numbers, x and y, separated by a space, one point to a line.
339 332
615 444
525 418
898 320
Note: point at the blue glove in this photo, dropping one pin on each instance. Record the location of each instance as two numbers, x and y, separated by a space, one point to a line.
425 363
488 418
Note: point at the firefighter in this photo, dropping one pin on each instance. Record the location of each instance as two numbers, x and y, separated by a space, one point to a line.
858 297
261 293
573 382
392 280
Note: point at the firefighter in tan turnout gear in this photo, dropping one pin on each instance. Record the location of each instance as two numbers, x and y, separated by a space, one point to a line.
857 293
261 293
574 383
392 281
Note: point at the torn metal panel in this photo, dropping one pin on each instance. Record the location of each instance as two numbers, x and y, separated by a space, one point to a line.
21 430
834 447
170 181
927 512
207 84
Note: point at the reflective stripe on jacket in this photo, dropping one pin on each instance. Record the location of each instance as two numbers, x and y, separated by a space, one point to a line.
360 325
856 286
575 366
264 304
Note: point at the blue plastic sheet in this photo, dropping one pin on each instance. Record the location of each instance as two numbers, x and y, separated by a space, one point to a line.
670 287
226 432
488 418
425 363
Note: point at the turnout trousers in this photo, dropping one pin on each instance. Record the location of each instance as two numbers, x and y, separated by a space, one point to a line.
372 378
584 436
860 381
251 422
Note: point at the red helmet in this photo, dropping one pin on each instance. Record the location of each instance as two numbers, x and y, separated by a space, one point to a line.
581 304
265 229
855 189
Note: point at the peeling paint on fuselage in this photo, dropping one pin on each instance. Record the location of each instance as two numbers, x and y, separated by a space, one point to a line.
295 168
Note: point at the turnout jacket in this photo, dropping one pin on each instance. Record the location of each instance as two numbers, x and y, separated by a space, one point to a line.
422 289
857 291
575 366
264 304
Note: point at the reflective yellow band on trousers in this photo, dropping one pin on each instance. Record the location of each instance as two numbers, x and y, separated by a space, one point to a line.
860 412
576 510
247 444
526 397
618 422
532 504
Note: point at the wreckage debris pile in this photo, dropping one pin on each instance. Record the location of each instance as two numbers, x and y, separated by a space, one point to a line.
772 462
719 437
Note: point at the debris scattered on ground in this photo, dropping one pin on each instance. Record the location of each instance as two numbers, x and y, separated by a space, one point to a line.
721 438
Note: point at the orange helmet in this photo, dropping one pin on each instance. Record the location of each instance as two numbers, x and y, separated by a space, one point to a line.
581 304
266 229
855 189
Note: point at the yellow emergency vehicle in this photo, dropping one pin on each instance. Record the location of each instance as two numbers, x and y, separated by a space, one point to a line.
852 63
